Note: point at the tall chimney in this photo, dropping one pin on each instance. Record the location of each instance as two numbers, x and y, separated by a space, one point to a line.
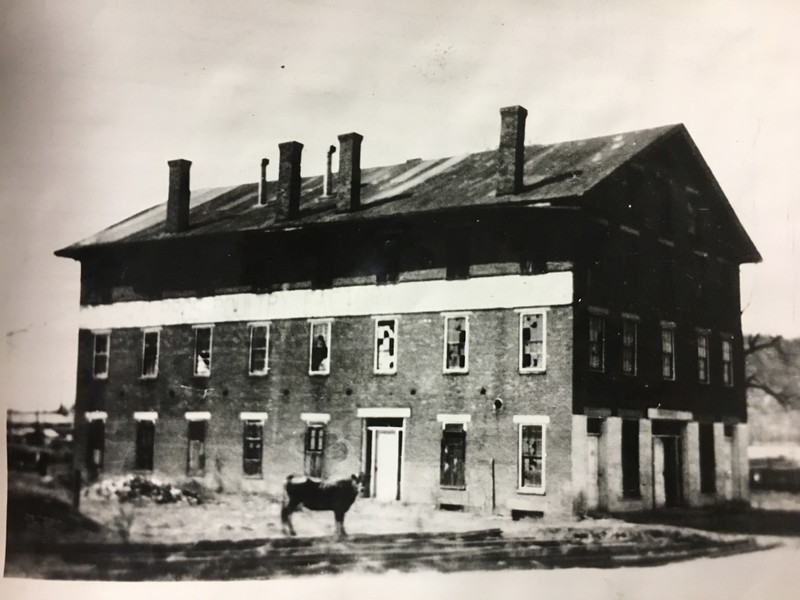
511 153
262 183
288 206
327 189
179 196
348 185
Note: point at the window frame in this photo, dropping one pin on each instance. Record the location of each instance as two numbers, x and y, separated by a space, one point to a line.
253 326
594 316
634 321
196 354
107 354
522 314
668 327
522 421
456 370
448 433
202 425
727 365
703 334
376 370
309 452
145 332
259 460
329 344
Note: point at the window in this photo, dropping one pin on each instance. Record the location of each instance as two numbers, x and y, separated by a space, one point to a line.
320 348
253 444
150 344
102 344
532 334
456 344
259 348
95 445
727 362
702 357
597 342
202 351
708 476
531 457
630 458
145 444
385 346
630 343
452 464
668 351
196 457
314 450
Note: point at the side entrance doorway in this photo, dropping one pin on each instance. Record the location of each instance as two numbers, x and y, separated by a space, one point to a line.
383 457
667 463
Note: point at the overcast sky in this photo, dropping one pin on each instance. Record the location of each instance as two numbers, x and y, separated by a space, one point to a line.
97 96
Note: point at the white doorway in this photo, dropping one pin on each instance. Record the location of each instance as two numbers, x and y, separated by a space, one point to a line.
592 472
385 463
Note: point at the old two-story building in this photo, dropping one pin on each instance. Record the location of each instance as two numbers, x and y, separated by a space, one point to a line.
541 329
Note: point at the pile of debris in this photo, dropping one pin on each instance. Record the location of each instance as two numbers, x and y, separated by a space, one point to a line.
137 488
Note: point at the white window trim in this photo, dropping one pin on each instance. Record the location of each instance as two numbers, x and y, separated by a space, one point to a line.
210 350
145 415
387 413
201 415
447 317
96 415
375 369
253 416
311 323
265 371
311 418
445 420
145 331
543 367
521 421
107 333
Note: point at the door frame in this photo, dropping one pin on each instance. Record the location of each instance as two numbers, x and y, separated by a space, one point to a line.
678 457
367 437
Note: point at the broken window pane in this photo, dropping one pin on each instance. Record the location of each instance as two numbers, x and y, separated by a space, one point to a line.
456 344
259 341
150 354
202 351
531 456
386 346
320 345
532 340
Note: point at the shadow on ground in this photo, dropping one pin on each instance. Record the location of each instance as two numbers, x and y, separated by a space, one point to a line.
751 521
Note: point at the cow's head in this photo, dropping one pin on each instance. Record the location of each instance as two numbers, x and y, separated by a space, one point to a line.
358 483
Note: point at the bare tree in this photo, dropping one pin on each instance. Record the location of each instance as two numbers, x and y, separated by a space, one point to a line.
757 378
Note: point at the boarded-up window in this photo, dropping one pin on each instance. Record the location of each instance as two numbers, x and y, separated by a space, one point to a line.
668 351
630 346
386 345
630 458
456 344
453 456
708 476
202 351
597 342
314 450
196 463
319 363
95 444
531 457
102 343
532 341
259 349
145 444
253 444
702 357
727 362
150 342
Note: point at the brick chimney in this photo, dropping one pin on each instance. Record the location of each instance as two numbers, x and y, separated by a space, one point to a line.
511 153
348 184
262 183
288 206
327 187
179 196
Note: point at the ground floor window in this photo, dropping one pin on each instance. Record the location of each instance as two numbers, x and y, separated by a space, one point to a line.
453 456
708 477
145 445
95 445
196 459
314 450
253 442
532 455
630 459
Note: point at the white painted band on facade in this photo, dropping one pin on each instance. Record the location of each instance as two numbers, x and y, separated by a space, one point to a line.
480 293
673 415
253 416
315 417
147 415
383 413
96 415
531 419
198 416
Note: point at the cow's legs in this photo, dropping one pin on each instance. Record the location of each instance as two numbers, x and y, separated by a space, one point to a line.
340 524
286 517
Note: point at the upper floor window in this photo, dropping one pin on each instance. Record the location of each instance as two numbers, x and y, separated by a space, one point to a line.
702 357
456 344
385 346
259 348
150 347
532 339
320 348
202 350
630 343
100 356
597 342
727 361
668 351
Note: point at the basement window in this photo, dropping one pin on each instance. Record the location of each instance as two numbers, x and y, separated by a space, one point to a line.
202 350
668 351
452 472
727 362
385 346
100 356
532 337
314 449
597 342
259 348
456 344
702 357
319 348
253 444
150 347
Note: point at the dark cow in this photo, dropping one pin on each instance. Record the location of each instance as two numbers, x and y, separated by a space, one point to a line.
315 494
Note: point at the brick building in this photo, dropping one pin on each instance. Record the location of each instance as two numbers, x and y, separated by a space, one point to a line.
537 328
